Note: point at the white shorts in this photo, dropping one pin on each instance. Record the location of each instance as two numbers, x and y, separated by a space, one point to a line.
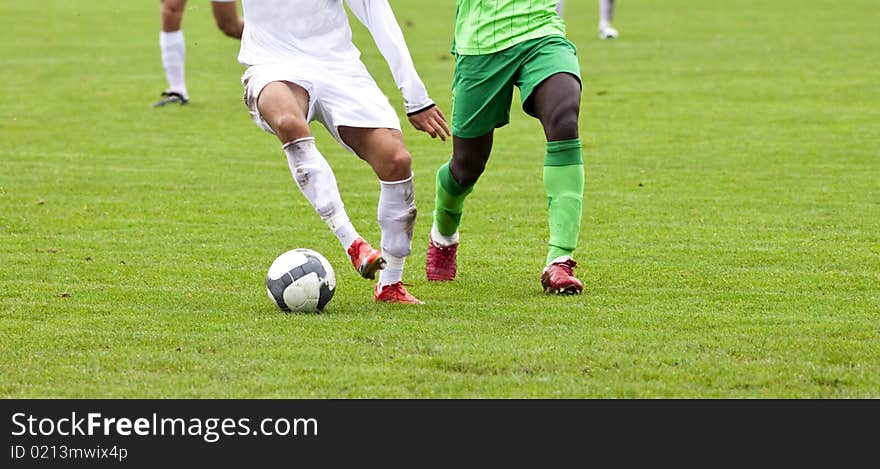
348 98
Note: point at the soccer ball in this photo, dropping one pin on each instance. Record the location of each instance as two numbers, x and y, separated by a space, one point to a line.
301 280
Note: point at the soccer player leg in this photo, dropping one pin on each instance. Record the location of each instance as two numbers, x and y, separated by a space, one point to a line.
441 261
283 107
606 15
551 89
455 180
227 18
396 214
564 184
384 151
482 90
557 103
173 47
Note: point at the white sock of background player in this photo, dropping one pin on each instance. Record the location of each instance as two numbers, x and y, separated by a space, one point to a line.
174 59
606 13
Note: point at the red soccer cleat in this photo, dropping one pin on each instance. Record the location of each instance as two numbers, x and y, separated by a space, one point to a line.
365 259
395 293
440 263
559 279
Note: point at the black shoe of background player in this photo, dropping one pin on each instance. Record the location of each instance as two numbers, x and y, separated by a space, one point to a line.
170 97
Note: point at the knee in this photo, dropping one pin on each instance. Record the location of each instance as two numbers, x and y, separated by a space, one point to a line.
172 13
562 123
290 127
401 162
398 166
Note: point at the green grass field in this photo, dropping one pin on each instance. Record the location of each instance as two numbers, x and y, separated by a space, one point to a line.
730 242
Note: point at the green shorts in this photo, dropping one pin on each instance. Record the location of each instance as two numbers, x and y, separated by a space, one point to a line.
482 86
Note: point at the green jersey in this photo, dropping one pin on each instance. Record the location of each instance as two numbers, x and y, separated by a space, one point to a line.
488 26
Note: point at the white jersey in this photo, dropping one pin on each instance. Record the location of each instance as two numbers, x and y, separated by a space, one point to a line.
315 34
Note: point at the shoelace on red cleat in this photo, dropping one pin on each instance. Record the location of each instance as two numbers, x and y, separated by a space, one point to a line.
395 289
567 267
398 288
444 257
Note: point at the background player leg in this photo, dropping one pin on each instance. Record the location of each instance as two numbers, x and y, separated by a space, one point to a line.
606 15
173 48
385 152
556 102
284 107
227 19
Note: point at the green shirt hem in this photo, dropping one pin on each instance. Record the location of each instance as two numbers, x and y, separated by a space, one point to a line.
549 30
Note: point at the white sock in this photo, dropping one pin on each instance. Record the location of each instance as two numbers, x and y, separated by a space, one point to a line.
397 218
606 12
173 59
441 240
559 7
316 180
341 226
393 271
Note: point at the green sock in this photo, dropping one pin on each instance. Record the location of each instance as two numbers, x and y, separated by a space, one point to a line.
564 183
449 201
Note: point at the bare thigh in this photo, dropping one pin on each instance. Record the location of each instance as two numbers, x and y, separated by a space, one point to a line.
382 149
284 106
556 102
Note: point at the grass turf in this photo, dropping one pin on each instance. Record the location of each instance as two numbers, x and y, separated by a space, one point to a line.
730 243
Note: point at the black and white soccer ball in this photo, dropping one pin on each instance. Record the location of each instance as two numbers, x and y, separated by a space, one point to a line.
301 280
